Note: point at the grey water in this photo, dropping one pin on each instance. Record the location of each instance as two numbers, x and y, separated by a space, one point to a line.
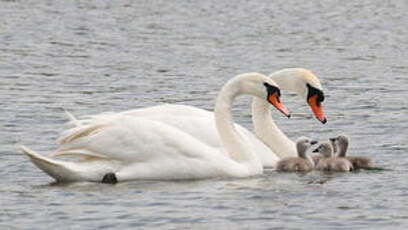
91 56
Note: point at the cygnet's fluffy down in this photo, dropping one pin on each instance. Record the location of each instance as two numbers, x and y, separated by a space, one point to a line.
302 163
359 162
331 163
316 158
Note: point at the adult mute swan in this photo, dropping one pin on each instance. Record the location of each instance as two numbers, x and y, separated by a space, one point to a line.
200 123
305 84
132 147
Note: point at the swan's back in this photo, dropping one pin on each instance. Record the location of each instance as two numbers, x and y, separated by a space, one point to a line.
169 110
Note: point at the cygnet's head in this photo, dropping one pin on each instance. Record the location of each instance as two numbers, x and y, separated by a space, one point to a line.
304 83
342 140
325 149
261 86
303 144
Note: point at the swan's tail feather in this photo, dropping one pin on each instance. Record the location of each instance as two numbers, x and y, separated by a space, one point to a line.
79 132
93 168
78 153
57 169
72 118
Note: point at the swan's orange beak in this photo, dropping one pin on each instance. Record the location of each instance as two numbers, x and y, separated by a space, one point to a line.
317 108
275 101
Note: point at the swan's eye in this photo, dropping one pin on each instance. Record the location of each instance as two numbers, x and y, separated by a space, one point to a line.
314 91
272 89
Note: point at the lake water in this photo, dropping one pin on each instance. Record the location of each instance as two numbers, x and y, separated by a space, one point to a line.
94 56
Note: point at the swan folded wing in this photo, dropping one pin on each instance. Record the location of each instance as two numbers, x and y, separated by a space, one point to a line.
81 153
198 123
80 131
149 144
203 129
88 125
200 128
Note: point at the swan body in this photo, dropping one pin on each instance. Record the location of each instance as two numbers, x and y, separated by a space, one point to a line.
134 147
359 162
194 121
331 163
302 163
201 123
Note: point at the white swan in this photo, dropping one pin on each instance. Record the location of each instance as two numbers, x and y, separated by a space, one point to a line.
200 123
132 147
305 84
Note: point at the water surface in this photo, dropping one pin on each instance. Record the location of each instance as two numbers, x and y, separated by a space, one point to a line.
94 56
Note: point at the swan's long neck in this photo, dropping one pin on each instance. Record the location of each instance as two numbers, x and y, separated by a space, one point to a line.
267 130
264 125
233 142
342 149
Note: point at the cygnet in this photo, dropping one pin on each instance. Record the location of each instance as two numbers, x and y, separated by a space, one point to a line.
331 163
302 163
359 162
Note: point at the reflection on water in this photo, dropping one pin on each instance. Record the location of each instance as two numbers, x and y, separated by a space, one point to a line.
94 56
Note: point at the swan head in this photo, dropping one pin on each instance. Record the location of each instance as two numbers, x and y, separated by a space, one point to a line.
304 83
303 144
264 87
325 149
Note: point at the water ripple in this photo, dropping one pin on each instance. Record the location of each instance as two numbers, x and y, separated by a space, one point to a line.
95 56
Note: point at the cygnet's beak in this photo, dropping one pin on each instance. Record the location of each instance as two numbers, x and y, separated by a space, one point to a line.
274 99
317 108
332 139
313 142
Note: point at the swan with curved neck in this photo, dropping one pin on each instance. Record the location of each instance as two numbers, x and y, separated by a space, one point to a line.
131 147
304 83
200 123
